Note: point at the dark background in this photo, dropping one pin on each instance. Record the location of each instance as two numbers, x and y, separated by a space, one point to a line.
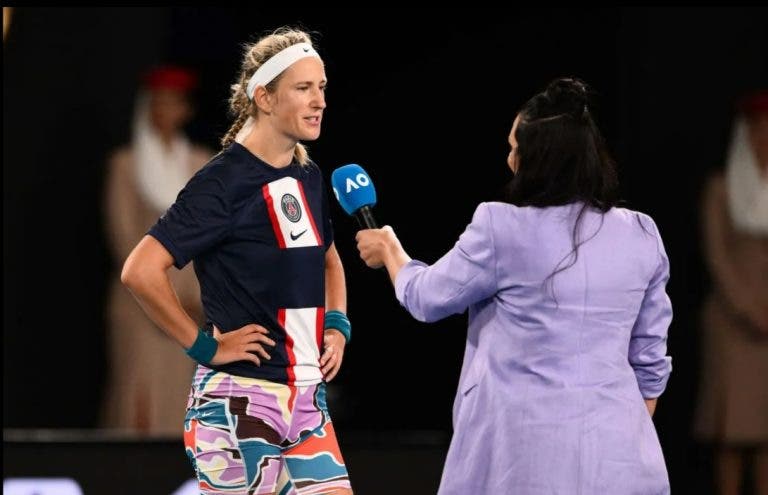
423 100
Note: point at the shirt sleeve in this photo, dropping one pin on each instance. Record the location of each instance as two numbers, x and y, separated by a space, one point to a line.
198 220
648 343
464 275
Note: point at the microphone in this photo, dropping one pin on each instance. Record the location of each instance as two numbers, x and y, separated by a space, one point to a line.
356 194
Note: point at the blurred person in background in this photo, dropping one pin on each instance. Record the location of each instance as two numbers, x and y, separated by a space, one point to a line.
7 13
148 378
732 412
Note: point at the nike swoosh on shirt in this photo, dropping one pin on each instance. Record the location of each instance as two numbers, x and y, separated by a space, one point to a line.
294 237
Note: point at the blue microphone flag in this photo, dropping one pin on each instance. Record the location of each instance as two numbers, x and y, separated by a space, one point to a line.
353 188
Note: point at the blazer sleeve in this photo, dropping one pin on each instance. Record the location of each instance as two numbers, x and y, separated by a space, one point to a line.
464 275
648 342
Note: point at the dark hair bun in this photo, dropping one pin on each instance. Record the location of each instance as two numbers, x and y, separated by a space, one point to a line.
569 96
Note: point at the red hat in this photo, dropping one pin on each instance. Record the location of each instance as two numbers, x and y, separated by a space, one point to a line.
171 77
754 103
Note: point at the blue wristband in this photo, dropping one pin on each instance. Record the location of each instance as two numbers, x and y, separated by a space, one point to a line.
204 348
338 321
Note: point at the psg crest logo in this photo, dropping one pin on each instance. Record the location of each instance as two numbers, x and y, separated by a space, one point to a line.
291 208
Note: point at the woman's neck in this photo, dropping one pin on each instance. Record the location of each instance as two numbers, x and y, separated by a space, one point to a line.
270 146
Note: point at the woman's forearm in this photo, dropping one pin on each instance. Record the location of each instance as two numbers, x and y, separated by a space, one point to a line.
145 275
395 258
335 283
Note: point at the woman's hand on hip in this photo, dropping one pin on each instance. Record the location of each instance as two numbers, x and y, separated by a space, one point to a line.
333 353
244 344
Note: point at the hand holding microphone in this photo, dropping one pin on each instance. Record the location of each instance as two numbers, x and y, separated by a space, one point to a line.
376 246
356 194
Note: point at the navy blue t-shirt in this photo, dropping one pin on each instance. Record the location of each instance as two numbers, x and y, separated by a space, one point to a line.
258 237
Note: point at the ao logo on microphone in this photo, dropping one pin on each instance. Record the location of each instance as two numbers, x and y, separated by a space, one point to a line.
360 180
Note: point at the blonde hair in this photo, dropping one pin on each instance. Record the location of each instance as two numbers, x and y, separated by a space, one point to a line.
255 54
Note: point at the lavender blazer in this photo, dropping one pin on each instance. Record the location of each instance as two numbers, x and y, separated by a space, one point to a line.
550 399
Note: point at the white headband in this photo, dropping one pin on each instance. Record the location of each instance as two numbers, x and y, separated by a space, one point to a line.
278 63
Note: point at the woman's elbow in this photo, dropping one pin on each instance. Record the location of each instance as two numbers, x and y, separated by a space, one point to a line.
425 314
138 271
418 316
147 261
130 275
430 315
